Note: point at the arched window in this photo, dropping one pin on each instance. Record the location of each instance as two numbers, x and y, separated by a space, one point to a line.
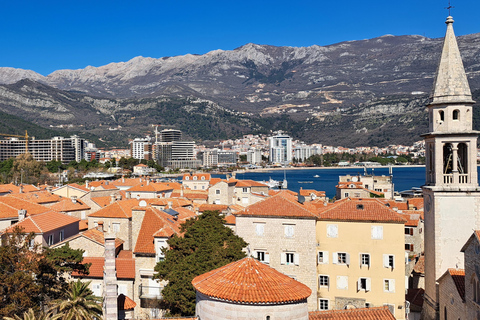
462 158
447 158
442 115
456 114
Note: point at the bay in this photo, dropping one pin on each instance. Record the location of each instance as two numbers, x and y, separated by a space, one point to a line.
404 177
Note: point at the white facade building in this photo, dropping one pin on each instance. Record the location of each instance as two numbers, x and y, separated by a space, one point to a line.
280 149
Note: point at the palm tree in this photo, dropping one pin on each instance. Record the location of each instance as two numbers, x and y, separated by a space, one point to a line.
79 303
30 315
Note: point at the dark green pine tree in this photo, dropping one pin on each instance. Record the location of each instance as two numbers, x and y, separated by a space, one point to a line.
205 245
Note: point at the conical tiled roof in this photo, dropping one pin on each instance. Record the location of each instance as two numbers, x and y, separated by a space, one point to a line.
250 281
451 84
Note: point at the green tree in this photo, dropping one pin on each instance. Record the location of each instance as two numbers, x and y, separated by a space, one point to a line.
30 276
205 245
54 166
79 303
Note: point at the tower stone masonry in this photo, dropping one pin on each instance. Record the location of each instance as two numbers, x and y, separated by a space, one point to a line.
451 192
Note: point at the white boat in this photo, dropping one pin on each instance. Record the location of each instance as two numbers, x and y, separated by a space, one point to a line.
316 176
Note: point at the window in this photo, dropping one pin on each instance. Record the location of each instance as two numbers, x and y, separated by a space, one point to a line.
365 259
195 178
50 240
245 190
97 289
364 284
323 281
263 256
442 115
289 230
290 258
456 114
389 261
116 227
341 258
259 229
408 247
359 206
389 285
194 187
409 231
332 230
322 257
322 304
203 178
217 191
61 235
342 282
377 232
346 194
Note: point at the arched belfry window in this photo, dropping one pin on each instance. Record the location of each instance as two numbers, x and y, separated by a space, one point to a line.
456 115
447 158
442 115
462 158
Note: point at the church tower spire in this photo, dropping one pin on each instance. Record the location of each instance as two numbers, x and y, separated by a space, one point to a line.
451 84
451 192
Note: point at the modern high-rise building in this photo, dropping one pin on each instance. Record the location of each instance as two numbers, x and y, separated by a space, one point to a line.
141 148
58 148
451 192
169 135
280 149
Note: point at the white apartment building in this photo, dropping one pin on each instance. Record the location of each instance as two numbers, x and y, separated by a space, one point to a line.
280 149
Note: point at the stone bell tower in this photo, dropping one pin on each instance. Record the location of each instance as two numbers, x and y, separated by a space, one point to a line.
451 192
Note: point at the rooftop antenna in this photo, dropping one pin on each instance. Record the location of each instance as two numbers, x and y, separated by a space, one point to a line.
449 8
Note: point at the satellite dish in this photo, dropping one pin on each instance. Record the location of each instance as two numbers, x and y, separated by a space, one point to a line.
142 203
354 179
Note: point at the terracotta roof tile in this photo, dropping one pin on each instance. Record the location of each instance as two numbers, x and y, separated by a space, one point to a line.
39 197
44 222
156 223
199 176
358 209
214 181
230 219
249 183
272 192
277 206
125 303
102 201
29 188
162 202
212 207
151 187
68 205
125 268
9 188
250 281
416 203
118 209
76 186
191 195
458 276
308 192
83 225
10 205
377 313
401 205
125 254
127 182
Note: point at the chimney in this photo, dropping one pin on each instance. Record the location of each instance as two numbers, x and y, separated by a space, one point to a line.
112 198
86 183
181 191
118 197
22 214
100 226
74 199
110 280
148 181
123 178
20 190
128 195
169 204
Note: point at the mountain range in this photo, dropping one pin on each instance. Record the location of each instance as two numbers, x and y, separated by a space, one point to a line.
366 92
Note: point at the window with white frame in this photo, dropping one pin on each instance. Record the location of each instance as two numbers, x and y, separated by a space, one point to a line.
341 258
259 229
364 260
116 227
377 232
322 304
332 230
322 257
389 261
364 284
342 282
323 281
290 258
289 230
50 240
97 289
389 285
217 191
262 256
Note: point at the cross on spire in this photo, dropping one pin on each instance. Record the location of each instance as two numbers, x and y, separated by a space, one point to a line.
449 8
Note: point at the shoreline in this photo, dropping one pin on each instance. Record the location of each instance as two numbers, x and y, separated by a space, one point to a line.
328 168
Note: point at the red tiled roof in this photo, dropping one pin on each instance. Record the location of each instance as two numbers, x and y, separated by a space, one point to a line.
9 207
250 281
358 209
272 192
162 202
395 204
214 181
118 209
150 187
191 195
83 225
39 197
416 202
280 205
125 268
76 186
9 188
230 219
102 201
67 205
349 185
127 182
199 176
249 183
125 254
308 192
458 276
44 222
125 303
377 313
212 207
156 223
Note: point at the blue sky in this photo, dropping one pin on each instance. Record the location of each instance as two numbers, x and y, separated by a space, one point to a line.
45 36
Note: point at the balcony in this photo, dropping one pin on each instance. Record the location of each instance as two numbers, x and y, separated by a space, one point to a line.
150 292
451 178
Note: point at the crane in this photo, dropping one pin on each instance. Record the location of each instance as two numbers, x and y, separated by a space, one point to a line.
18 136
